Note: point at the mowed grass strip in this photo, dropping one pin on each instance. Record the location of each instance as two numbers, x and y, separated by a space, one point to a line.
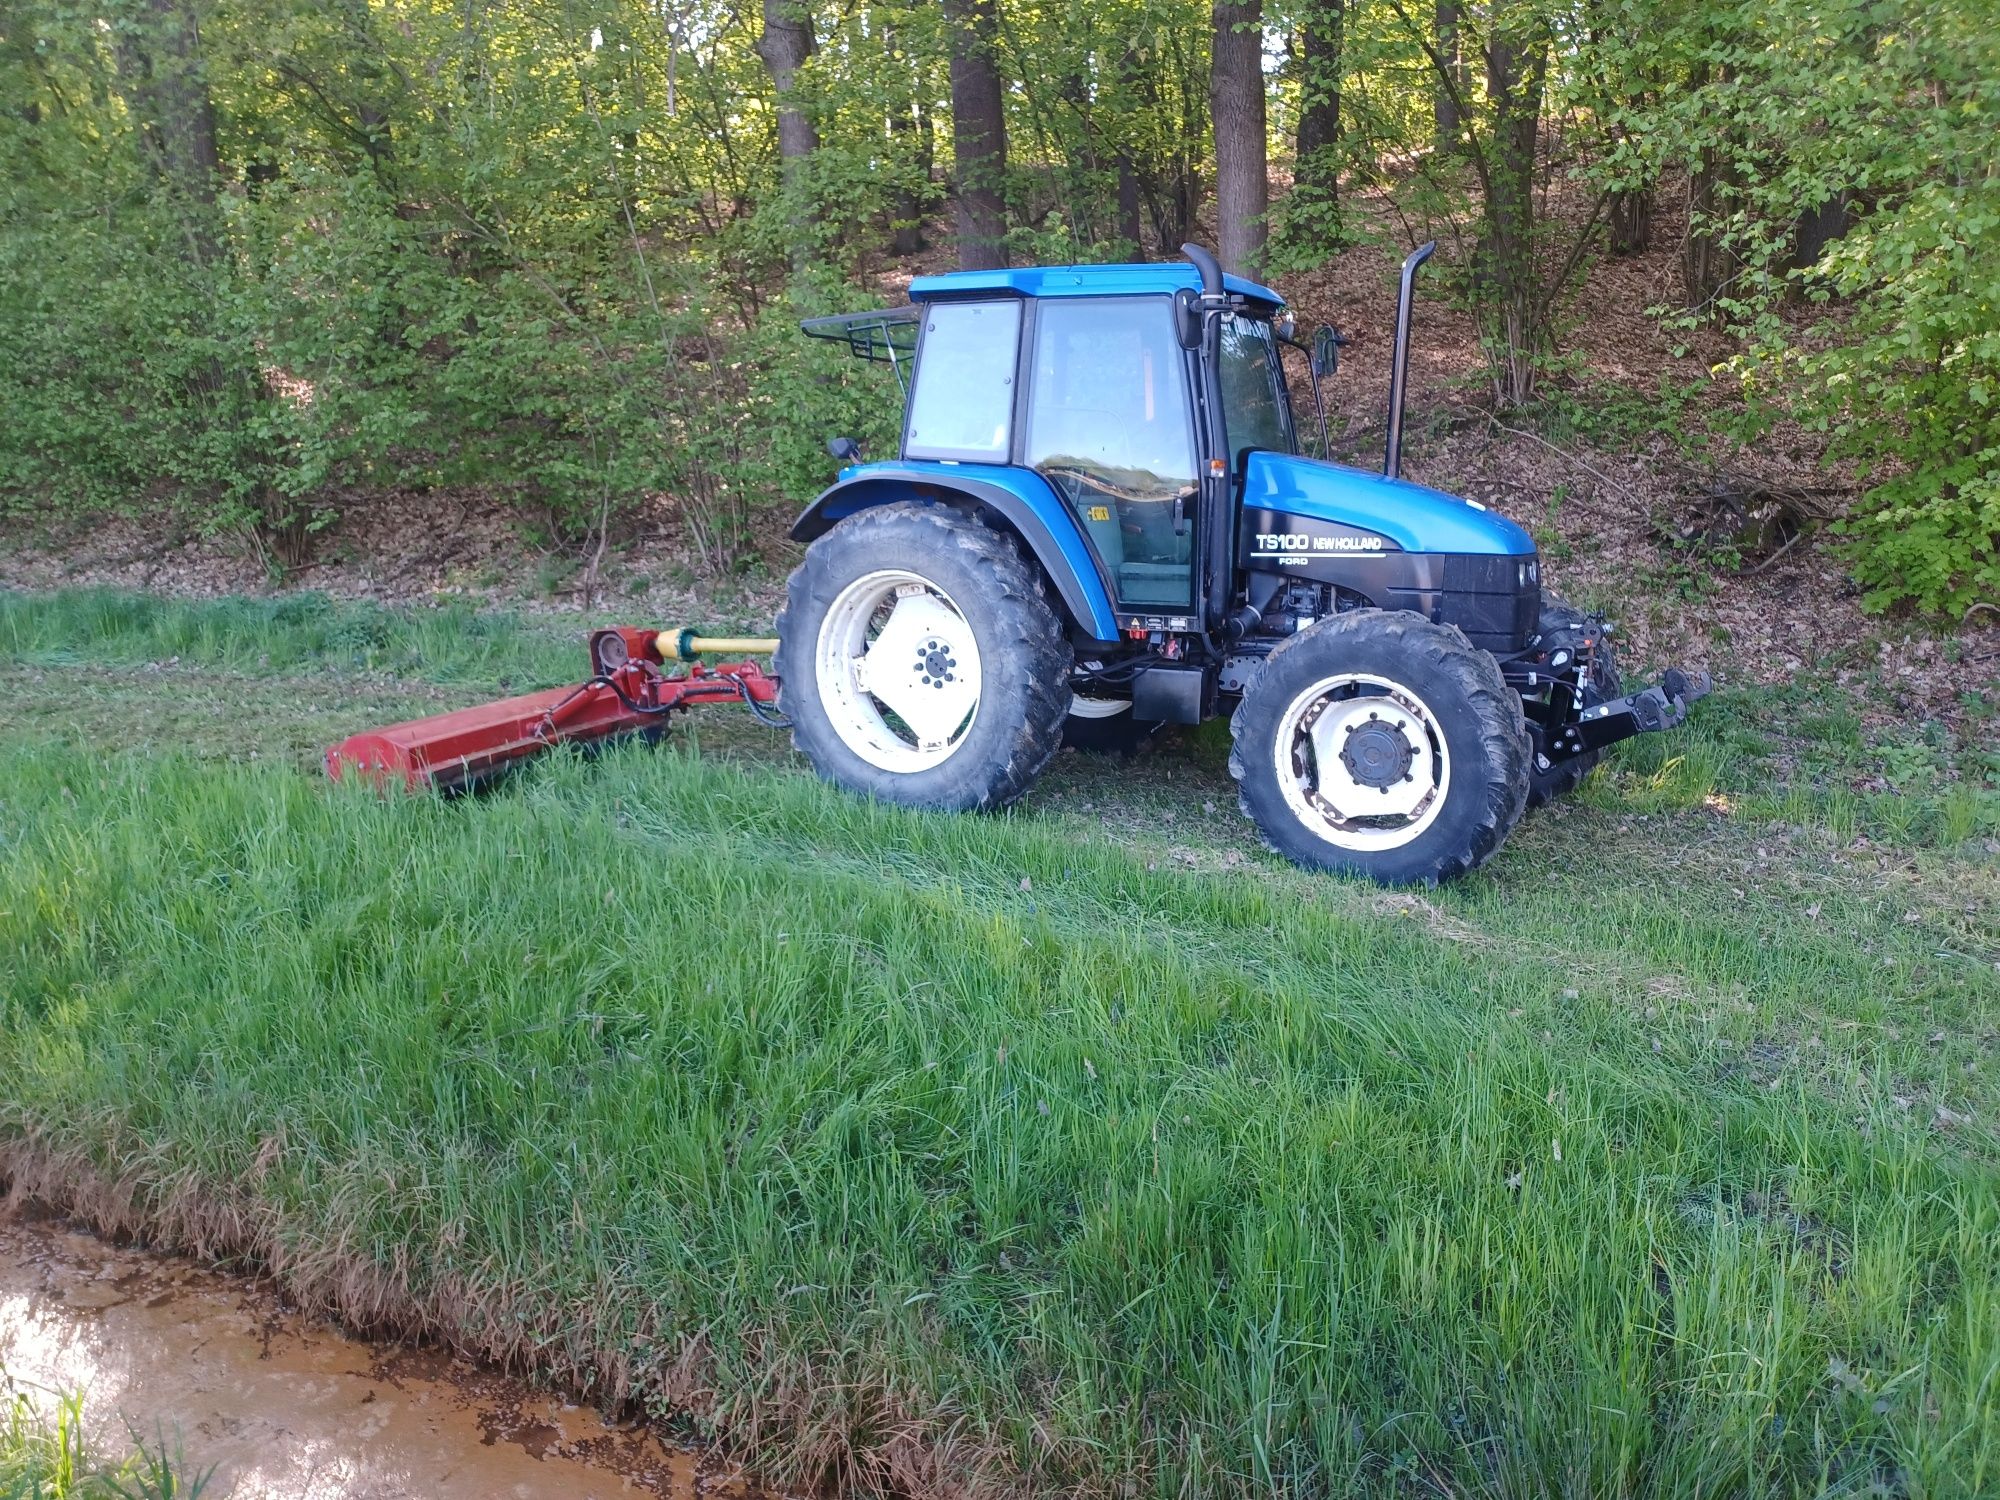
931 1153
452 643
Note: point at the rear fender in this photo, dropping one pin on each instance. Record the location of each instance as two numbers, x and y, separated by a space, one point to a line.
1016 500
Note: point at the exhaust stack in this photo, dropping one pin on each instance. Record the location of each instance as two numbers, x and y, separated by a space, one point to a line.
1399 367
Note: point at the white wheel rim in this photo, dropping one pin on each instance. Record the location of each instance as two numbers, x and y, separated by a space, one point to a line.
898 670
1081 707
1404 770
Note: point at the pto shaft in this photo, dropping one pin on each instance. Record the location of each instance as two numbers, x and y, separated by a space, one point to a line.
686 645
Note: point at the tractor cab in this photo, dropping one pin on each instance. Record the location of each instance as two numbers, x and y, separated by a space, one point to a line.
1092 380
1085 377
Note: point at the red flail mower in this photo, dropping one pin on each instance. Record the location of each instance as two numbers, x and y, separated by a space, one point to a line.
629 692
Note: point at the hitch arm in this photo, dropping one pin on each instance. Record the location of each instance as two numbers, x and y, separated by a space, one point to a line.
1648 711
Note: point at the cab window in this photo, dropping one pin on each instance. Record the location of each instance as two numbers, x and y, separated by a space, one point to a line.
1109 427
962 405
1254 412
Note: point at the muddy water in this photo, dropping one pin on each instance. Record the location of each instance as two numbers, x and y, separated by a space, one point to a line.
284 1407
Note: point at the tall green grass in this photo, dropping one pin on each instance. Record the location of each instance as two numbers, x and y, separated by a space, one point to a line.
901 1150
46 1454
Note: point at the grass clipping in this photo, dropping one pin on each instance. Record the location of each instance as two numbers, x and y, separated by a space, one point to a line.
947 1156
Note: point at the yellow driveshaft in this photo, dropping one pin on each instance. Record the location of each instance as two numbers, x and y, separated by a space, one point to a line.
685 645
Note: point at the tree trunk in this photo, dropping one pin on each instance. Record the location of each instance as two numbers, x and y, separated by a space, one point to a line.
1166 173
1445 123
1707 265
1631 220
906 205
1516 68
161 53
1124 70
978 133
1320 38
1819 227
785 45
1128 202
1236 101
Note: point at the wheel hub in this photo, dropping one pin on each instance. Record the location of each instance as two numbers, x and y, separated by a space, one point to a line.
935 663
1377 752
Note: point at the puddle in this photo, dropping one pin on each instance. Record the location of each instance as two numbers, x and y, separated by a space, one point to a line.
284 1407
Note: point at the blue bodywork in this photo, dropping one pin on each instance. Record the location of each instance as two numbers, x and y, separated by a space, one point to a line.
1083 281
1020 496
1416 519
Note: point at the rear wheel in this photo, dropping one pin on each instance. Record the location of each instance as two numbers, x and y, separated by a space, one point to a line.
921 662
1567 628
1380 744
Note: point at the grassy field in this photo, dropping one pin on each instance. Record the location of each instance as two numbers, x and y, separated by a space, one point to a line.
1088 1147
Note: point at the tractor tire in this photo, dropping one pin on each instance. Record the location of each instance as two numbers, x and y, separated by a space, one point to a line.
1564 624
1406 723
920 660
1114 733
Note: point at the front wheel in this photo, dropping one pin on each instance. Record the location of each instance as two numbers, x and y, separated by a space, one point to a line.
1377 743
921 661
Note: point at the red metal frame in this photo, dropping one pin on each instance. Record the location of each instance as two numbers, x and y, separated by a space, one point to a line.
631 692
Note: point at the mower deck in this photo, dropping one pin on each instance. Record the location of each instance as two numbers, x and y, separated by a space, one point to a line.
631 693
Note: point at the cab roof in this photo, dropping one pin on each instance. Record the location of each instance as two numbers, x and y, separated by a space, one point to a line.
1158 279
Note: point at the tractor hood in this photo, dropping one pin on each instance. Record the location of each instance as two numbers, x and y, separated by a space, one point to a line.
1411 517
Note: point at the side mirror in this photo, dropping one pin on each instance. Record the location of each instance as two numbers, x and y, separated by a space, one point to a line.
1187 318
844 449
1327 344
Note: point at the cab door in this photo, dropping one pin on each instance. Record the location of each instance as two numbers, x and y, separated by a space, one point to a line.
1109 425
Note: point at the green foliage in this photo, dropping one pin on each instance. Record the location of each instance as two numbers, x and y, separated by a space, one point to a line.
1888 337
545 247
1307 228
519 271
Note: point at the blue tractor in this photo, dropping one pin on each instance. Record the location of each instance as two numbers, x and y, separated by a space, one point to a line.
1102 522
